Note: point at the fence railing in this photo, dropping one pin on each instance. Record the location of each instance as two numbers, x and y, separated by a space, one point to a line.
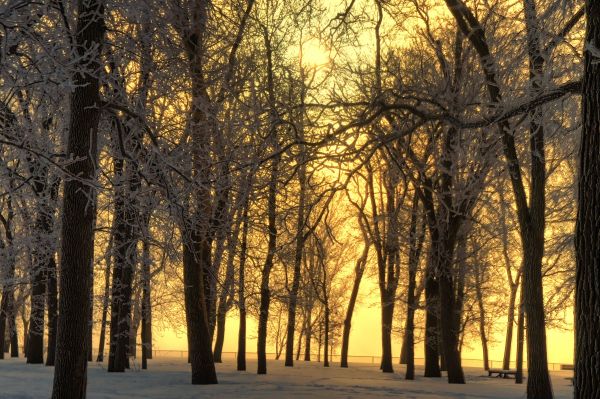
357 359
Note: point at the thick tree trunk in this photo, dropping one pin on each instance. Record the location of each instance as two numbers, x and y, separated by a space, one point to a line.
196 252
4 315
449 330
14 336
587 238
432 355
7 304
70 371
387 316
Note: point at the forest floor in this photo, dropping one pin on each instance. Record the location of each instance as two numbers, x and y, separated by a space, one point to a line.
170 378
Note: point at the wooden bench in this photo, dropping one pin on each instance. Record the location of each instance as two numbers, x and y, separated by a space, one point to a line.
567 367
502 373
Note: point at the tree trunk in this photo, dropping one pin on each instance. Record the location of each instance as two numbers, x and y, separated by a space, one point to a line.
146 333
326 338
308 338
105 302
587 238
7 303
299 344
432 356
241 352
387 316
358 274
482 332
52 311
520 342
196 252
530 217
70 371
450 330
265 293
226 294
14 336
509 328
298 251
41 258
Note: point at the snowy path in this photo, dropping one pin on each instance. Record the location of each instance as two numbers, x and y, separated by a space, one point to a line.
170 379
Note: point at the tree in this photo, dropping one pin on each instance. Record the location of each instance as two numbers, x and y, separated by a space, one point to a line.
587 294
70 371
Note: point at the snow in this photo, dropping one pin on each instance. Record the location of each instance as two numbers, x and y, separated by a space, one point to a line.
170 378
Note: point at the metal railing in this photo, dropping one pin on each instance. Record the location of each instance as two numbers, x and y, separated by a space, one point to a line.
356 359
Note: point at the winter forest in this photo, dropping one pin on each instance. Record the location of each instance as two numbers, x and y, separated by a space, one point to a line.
300 199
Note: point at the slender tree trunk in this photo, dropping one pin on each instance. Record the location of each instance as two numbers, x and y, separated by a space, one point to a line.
299 344
265 293
326 338
70 370
587 238
482 332
146 333
52 311
509 327
105 302
308 338
358 274
241 353
300 239
41 258
520 342
226 294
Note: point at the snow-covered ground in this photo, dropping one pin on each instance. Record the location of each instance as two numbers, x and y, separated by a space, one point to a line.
170 378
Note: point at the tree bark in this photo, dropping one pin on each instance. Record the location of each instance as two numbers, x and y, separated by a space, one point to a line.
587 237
70 371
